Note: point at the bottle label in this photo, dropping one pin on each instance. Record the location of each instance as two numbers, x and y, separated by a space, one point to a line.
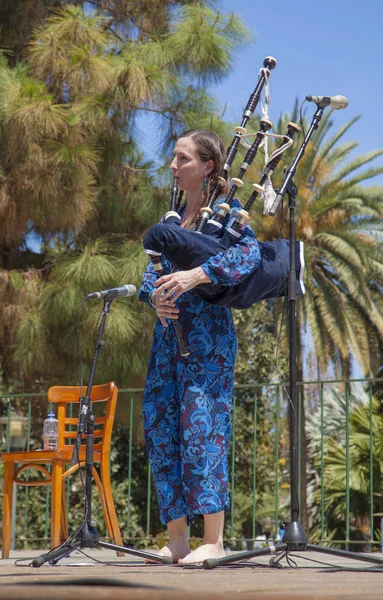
50 442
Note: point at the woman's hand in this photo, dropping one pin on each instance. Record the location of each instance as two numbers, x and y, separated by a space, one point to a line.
165 308
170 287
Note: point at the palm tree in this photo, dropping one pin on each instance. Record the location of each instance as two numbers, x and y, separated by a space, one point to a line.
362 460
339 221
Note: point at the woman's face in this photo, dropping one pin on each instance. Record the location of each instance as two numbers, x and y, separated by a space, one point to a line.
188 167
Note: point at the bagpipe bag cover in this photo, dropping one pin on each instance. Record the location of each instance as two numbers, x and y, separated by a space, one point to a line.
187 249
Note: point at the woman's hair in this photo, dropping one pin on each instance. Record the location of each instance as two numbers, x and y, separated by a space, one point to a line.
209 147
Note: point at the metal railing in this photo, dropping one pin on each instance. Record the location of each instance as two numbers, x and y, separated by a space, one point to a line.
259 485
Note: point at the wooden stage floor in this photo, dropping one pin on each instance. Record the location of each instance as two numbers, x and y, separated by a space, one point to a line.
79 578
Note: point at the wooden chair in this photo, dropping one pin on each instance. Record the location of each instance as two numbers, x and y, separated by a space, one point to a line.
58 459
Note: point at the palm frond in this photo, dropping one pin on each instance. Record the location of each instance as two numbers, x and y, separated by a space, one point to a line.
329 145
357 163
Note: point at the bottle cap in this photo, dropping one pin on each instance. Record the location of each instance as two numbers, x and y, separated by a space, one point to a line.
51 414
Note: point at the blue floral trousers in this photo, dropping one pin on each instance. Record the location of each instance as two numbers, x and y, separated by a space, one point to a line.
187 409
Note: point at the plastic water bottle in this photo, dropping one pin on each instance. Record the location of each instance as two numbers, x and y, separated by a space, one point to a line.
51 426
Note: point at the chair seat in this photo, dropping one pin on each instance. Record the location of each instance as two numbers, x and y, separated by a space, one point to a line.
40 457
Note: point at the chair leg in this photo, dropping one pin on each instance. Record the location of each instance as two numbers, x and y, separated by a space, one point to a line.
9 471
100 488
105 479
64 517
57 473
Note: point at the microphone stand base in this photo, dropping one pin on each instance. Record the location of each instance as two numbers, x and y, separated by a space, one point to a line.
294 540
88 537
295 536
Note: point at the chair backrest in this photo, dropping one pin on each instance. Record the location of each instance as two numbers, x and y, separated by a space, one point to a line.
64 396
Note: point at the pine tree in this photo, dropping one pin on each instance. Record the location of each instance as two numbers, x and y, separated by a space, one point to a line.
74 175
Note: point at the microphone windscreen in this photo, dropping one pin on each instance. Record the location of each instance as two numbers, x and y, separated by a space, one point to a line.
339 102
130 289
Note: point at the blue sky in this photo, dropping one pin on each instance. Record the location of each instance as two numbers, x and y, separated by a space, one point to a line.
321 48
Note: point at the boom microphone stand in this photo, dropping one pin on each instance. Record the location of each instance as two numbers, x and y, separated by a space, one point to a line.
295 538
87 536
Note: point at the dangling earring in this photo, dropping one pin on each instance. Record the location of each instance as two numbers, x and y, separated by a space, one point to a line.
205 183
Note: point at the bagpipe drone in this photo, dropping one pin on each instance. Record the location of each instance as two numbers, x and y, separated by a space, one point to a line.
215 231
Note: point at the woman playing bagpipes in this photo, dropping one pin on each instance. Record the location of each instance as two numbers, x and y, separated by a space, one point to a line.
187 399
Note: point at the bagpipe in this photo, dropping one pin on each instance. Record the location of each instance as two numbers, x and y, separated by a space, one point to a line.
216 231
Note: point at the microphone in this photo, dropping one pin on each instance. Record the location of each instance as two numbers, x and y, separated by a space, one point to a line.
125 290
337 102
